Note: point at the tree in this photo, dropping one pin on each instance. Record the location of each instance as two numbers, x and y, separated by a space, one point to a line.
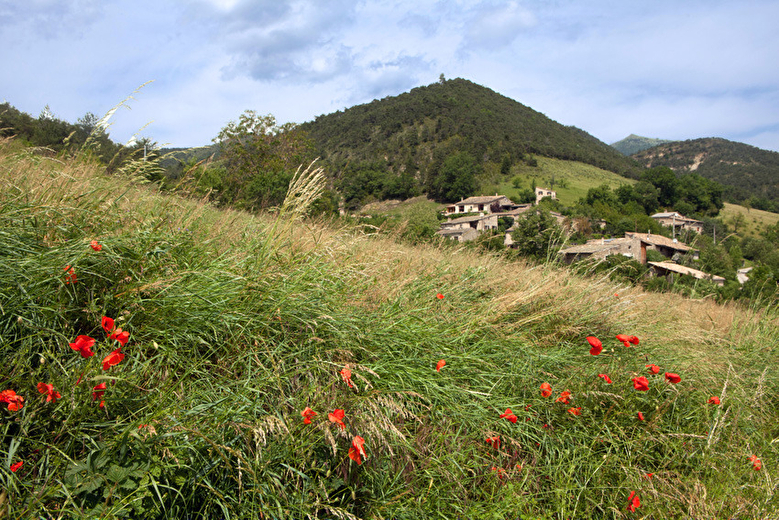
456 178
260 158
537 235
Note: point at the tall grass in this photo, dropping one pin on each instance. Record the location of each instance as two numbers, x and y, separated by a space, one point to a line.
238 322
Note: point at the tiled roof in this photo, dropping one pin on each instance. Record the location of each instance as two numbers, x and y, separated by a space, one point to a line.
660 240
479 200
676 268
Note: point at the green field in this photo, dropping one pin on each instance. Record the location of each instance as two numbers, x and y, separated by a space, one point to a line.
572 179
750 222
282 367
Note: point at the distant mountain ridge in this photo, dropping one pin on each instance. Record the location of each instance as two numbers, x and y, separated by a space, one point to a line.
749 173
635 143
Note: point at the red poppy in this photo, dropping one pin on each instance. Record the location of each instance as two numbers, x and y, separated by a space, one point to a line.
95 245
633 501
546 389
575 411
15 467
15 402
565 397
114 358
121 336
633 340
440 365
713 400
596 345
673 378
337 416
357 450
500 472
509 415
654 369
83 345
439 296
649 476
756 463
70 275
605 378
640 383
640 416
51 394
493 441
99 390
346 374
623 338
307 414
107 324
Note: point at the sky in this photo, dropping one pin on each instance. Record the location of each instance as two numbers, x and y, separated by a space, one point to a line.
666 69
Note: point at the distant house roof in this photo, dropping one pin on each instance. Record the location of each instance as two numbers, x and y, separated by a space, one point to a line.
680 269
472 218
593 246
672 214
660 240
484 199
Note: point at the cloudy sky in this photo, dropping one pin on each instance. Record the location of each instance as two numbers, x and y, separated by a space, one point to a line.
662 68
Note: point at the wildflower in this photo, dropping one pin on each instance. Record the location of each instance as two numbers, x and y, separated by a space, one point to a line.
499 471
640 416
605 378
346 374
357 450
509 416
633 501
546 389
99 390
713 400
15 402
83 345
565 397
70 275
633 340
95 245
623 338
575 411
493 441
649 476
121 336
107 324
337 416
596 345
756 463
439 296
15 467
114 358
654 369
51 394
441 363
640 383
672 378
307 414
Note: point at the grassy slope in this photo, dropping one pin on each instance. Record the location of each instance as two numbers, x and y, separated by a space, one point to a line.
237 323
579 178
754 221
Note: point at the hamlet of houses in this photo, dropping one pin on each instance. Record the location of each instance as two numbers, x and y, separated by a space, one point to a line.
481 214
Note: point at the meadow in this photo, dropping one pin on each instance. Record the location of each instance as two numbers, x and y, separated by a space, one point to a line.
275 366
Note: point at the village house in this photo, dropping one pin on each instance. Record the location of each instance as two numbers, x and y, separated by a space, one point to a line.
481 204
669 268
458 228
633 245
545 192
674 219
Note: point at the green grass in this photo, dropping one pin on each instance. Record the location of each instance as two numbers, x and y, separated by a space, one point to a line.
239 322
576 179
750 222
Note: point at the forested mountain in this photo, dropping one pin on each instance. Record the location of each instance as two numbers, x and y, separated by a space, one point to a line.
413 135
635 143
749 174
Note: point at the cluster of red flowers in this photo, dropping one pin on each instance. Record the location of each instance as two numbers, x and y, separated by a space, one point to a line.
15 402
357 449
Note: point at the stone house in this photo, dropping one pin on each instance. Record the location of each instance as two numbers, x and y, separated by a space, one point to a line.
632 245
674 219
545 192
480 205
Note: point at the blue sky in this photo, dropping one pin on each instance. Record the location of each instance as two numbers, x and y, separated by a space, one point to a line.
665 68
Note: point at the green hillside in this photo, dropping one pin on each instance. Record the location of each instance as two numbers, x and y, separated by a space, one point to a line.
282 367
416 132
749 173
635 143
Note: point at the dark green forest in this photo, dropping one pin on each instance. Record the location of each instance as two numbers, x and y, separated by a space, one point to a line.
750 175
